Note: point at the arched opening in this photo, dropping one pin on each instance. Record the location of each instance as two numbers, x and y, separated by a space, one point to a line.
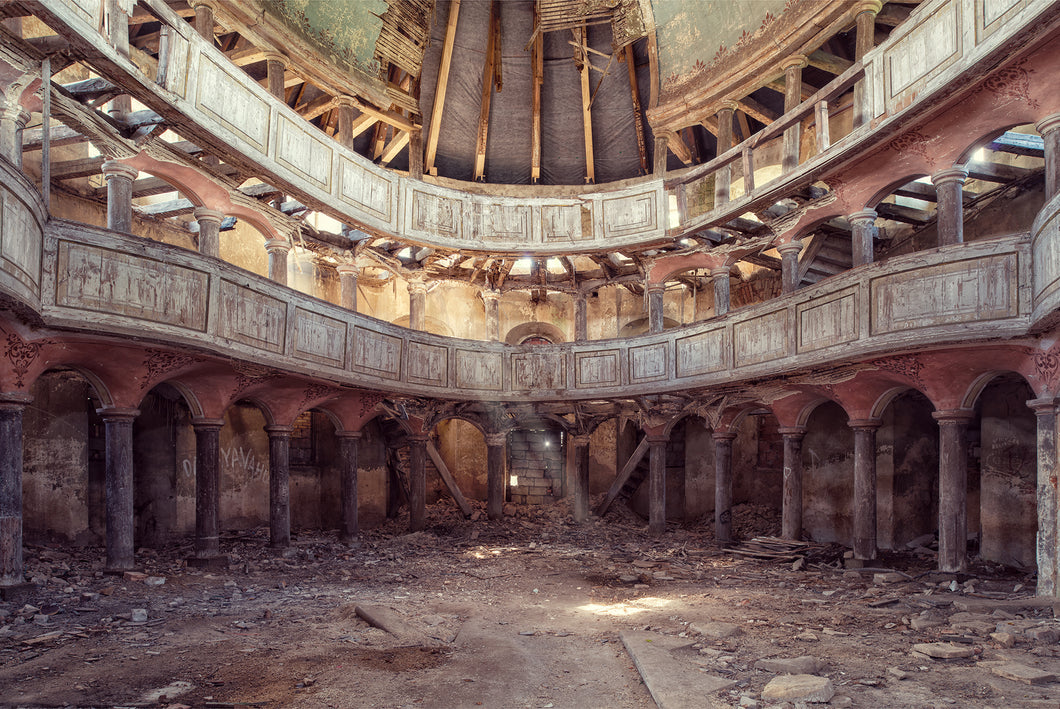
537 462
163 468
315 478
244 474
828 475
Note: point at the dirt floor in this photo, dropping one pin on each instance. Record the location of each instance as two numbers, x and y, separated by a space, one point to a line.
528 612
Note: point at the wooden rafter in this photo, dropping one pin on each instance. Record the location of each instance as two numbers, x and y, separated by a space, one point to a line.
489 80
757 111
537 61
587 117
638 120
440 88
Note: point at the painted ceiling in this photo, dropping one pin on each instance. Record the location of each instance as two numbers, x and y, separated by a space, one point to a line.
344 30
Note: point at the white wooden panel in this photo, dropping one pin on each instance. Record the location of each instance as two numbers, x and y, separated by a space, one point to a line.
562 223
367 191
252 318
703 353
760 339
479 370
648 362
597 369
177 68
927 47
1045 250
376 353
538 370
493 221
21 240
963 291
90 11
630 215
992 14
428 364
234 104
828 321
102 280
433 215
303 152
320 338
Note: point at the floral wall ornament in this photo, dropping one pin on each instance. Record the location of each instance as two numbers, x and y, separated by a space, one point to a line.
909 366
159 362
22 355
1012 83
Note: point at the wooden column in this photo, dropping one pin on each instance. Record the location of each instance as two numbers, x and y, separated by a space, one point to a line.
1048 544
657 484
662 145
118 23
496 473
654 293
204 18
581 317
348 274
119 179
950 211
13 119
793 66
209 231
865 39
278 251
789 265
863 232
416 153
791 504
580 479
723 177
118 475
723 486
417 482
207 487
417 304
491 301
720 277
1050 132
953 488
11 567
275 75
349 447
279 486
864 487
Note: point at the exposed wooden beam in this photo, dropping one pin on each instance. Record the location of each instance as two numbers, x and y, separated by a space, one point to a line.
996 172
829 62
362 123
431 148
745 127
638 120
489 79
316 107
587 118
537 60
906 215
394 147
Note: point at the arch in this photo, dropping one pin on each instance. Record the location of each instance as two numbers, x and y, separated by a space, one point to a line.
987 137
189 397
100 388
806 411
971 395
640 326
887 190
264 408
518 334
467 418
885 399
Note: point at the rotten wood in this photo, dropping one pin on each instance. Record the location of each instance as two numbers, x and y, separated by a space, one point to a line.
623 476
447 478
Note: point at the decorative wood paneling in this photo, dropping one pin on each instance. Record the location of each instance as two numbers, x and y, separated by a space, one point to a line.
992 14
1045 251
428 364
178 64
538 370
320 338
301 151
21 239
648 363
630 215
106 281
566 223
90 11
760 339
962 291
251 317
376 353
926 48
703 353
432 215
224 97
828 321
479 370
499 222
597 369
367 191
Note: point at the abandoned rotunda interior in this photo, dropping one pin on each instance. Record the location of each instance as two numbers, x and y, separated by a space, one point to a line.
316 265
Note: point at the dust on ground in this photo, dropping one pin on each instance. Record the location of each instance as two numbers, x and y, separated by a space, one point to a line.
524 612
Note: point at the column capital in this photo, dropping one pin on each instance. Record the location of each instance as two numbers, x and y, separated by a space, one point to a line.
1043 407
792 431
12 399
347 101
789 246
114 168
16 113
278 246
348 269
277 57
873 6
866 424
416 283
1048 124
419 437
495 440
863 215
355 435
488 294
209 4
201 422
723 435
795 61
279 431
956 174
953 415
720 271
580 440
727 104
204 214
118 413
653 287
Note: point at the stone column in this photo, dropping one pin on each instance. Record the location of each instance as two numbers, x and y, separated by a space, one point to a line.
720 277
204 19
863 232
209 231
278 250
1048 553
491 299
864 487
791 505
865 38
723 177
949 214
118 467
792 66
496 458
1050 131
953 488
789 265
349 447
581 317
580 479
279 486
119 179
348 274
13 119
417 304
657 484
723 486
11 408
662 146
207 487
275 66
417 482
655 293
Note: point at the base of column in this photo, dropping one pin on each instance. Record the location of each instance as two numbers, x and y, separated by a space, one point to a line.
283 551
353 542
122 571
208 562
17 592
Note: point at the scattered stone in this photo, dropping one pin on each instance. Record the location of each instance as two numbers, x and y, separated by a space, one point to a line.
139 615
924 621
747 702
881 602
888 577
628 578
804 665
798 565
714 630
154 580
1042 636
841 701
807 637
134 576
799 688
1004 639
898 673
943 651
1022 673
41 619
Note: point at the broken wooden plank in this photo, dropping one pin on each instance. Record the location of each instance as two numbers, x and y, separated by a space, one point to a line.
448 479
623 476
